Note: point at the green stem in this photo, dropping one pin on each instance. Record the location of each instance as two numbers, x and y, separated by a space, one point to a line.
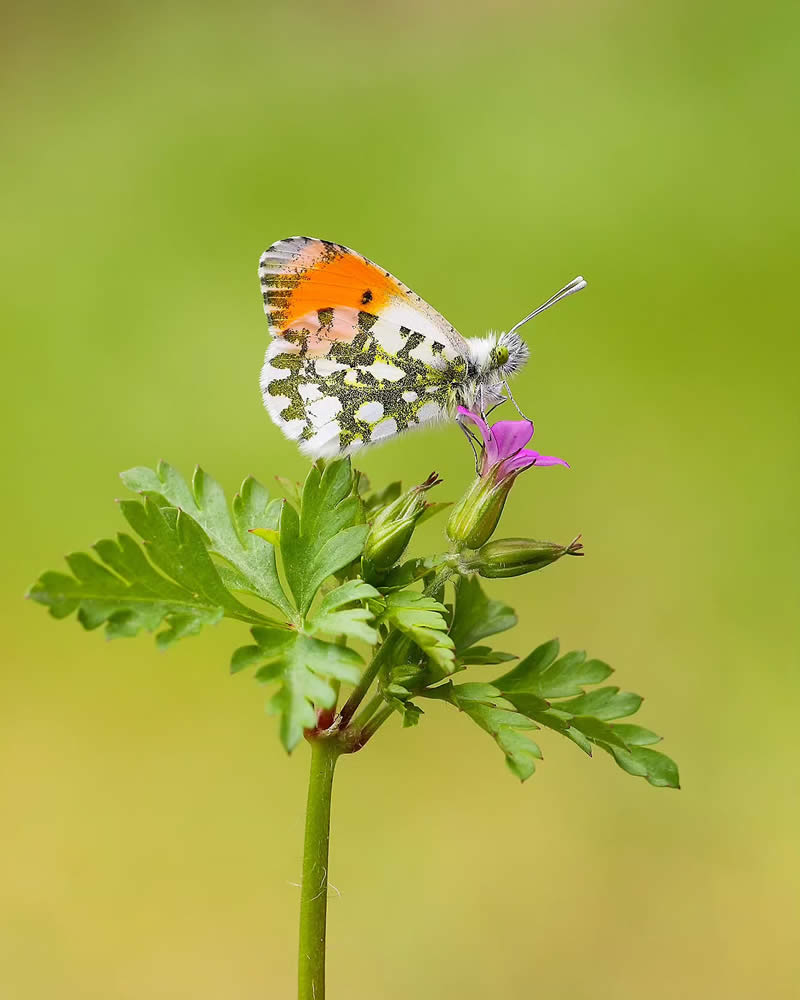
314 887
360 690
369 675
375 724
368 711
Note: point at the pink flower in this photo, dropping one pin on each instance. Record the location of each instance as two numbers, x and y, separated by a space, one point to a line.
503 445
501 458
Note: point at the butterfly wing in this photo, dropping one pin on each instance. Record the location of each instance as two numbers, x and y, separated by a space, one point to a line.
356 356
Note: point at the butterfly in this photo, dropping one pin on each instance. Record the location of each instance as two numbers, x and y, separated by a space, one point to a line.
357 357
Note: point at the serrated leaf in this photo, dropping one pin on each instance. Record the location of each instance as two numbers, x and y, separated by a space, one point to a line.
485 705
411 714
483 656
525 675
333 618
324 537
177 587
268 534
604 703
476 615
544 675
303 667
291 490
400 577
656 767
422 619
229 536
598 731
662 771
635 736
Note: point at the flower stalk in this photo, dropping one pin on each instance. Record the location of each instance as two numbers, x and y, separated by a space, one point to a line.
314 885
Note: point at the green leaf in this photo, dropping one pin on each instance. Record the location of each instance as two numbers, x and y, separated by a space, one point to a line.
421 619
598 731
476 616
252 562
635 736
324 537
123 589
291 490
303 668
605 703
656 767
374 502
400 577
542 674
485 705
483 655
524 677
332 617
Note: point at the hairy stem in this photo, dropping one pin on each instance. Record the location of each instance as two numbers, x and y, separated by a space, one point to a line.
314 887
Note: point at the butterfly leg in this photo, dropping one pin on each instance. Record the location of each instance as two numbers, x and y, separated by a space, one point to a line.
495 405
516 405
471 440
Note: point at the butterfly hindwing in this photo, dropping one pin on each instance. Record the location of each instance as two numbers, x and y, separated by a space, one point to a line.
356 356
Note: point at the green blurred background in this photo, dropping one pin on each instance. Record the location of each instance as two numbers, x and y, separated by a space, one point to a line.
485 154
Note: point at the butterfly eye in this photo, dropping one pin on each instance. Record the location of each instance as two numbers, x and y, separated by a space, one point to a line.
499 356
366 298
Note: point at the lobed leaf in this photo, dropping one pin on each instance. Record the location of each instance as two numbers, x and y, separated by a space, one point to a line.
485 705
476 615
121 588
422 620
324 536
252 562
303 667
332 617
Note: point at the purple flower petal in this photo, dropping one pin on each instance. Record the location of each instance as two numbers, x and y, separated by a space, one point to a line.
546 459
525 459
479 422
511 436
522 460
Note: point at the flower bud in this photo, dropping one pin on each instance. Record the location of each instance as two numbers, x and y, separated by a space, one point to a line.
393 526
475 516
515 556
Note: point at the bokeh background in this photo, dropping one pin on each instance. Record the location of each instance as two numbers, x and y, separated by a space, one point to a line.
485 154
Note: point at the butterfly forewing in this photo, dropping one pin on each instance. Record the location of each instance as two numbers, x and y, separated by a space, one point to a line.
356 356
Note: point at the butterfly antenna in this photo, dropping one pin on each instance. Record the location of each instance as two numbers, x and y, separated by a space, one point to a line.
574 286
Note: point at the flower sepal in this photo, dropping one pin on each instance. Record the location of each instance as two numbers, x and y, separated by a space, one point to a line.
516 556
501 456
393 526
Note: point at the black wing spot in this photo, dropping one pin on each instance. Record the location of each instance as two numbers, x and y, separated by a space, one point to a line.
366 298
366 321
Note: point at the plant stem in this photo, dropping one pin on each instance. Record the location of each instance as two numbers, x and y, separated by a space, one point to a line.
375 723
369 675
314 887
368 711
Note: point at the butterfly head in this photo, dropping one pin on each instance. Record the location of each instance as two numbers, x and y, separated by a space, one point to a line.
509 354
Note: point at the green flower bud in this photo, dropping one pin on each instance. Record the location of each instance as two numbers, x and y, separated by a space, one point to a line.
393 526
475 516
515 556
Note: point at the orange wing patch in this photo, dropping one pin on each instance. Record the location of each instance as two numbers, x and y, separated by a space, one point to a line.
322 291
341 280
